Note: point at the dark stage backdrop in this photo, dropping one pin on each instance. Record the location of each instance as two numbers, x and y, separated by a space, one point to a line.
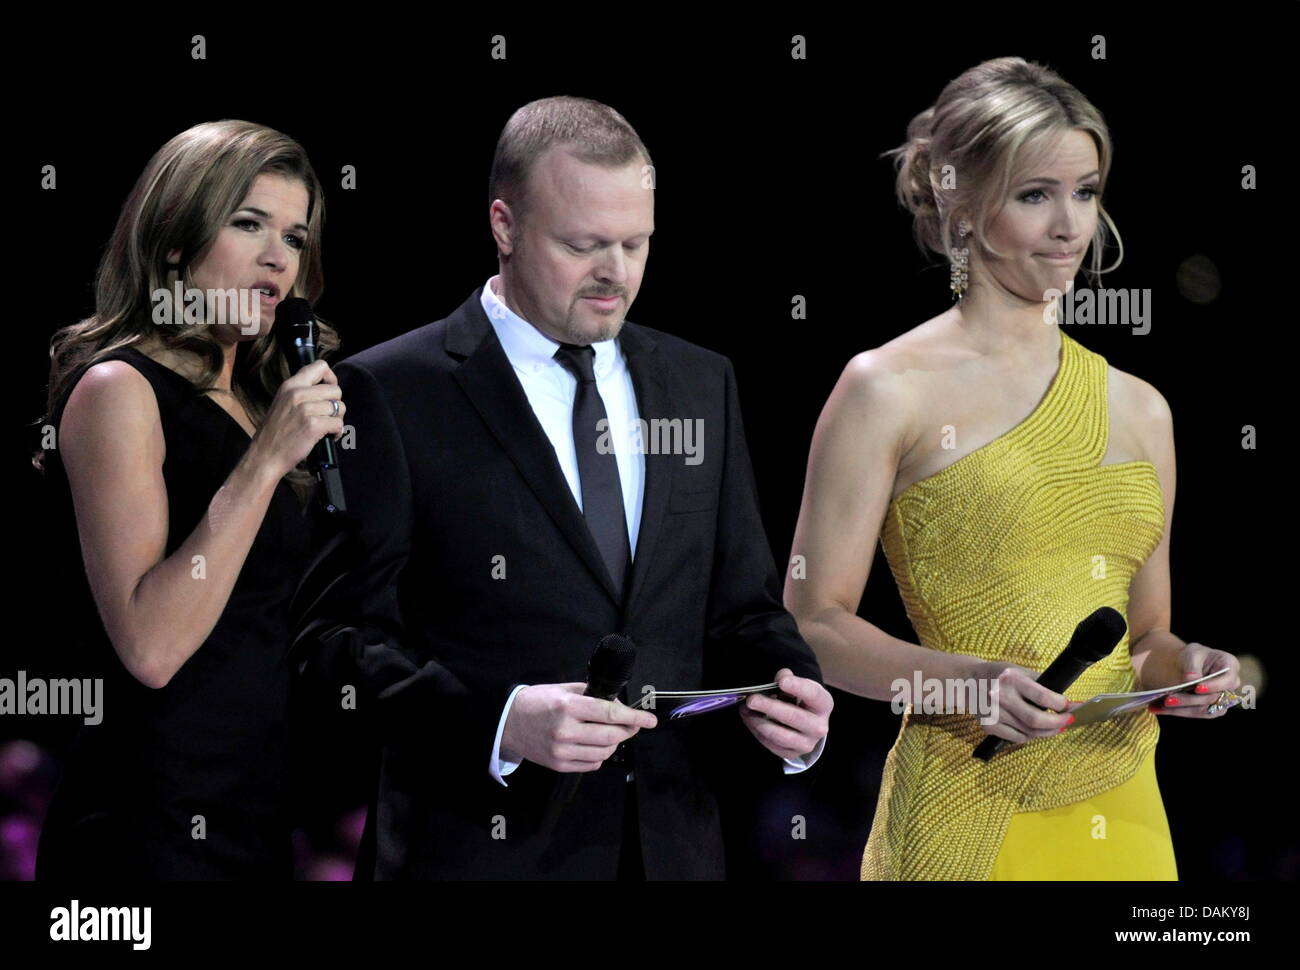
770 186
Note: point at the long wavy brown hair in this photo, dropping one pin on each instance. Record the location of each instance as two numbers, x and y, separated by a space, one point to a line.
184 196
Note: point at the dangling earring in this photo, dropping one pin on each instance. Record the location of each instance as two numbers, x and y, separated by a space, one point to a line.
960 265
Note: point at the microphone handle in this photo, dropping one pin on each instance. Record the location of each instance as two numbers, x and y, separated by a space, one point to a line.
566 786
990 746
327 463
1060 674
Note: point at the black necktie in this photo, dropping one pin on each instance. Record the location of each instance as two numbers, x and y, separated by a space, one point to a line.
602 492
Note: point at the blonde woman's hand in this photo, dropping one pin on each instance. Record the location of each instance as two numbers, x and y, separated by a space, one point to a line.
1197 660
1018 701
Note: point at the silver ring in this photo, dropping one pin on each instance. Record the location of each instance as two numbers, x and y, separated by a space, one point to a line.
335 412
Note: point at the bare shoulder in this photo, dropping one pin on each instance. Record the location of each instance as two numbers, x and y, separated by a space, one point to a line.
876 389
112 383
894 367
874 373
1141 399
1142 423
900 375
111 399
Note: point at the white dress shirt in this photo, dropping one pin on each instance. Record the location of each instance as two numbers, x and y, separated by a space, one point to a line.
550 389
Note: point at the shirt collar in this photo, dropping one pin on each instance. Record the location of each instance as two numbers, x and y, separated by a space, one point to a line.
525 345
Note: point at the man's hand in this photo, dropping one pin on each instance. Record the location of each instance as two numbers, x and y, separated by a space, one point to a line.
555 726
789 730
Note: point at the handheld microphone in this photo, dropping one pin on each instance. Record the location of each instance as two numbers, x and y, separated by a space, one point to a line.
295 331
1094 638
607 674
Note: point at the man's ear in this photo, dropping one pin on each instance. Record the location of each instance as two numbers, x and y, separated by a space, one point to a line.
503 225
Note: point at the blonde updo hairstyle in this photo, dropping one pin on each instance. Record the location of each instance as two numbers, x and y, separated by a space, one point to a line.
993 124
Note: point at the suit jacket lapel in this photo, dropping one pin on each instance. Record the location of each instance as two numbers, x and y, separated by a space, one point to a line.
490 383
650 381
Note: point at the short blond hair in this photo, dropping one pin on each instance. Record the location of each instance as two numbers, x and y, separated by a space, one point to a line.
592 132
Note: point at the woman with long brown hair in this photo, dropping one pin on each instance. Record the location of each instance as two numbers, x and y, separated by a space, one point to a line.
174 433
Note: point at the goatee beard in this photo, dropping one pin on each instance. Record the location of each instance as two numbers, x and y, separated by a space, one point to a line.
607 331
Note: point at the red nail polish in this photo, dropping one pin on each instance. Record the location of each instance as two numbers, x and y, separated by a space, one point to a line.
1171 700
1061 731
1069 722
1201 688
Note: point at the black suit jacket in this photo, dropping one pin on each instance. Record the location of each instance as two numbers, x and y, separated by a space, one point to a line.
406 601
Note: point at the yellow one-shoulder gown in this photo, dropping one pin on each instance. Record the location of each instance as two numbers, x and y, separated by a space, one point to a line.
999 555
1120 834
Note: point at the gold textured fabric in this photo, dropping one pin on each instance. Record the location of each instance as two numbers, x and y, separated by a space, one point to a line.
999 555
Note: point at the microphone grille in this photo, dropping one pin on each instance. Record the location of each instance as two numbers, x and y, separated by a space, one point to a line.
1099 632
294 320
613 658
294 311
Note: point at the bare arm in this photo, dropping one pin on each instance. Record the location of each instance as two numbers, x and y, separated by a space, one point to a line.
1153 648
155 609
851 469
1161 659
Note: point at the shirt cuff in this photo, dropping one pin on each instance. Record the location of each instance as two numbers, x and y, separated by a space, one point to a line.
802 763
498 768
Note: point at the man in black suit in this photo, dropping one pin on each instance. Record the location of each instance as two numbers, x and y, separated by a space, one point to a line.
528 475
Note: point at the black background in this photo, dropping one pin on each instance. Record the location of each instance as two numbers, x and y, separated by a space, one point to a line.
769 185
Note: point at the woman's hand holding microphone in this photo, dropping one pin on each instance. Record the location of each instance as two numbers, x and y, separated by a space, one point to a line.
1018 701
307 407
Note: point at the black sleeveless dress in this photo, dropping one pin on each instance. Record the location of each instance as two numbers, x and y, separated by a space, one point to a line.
186 781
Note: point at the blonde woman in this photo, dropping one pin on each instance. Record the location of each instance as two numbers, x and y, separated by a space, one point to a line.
1017 483
174 435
